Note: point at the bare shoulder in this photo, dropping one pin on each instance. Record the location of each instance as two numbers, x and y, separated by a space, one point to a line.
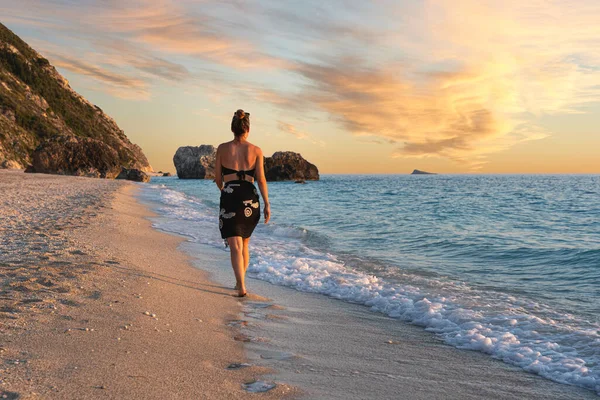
223 147
257 150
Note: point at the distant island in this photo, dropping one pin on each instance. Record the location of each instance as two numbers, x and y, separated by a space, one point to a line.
419 172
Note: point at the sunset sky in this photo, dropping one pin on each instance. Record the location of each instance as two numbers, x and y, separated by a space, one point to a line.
458 86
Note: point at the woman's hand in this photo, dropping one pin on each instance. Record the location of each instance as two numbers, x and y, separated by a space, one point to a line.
267 213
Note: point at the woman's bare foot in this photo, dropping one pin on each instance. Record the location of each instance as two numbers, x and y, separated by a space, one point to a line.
236 287
241 292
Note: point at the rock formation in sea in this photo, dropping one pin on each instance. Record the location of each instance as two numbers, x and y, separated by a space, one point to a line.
419 172
195 162
199 163
289 166
37 105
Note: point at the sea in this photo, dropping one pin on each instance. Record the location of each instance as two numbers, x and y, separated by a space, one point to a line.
505 265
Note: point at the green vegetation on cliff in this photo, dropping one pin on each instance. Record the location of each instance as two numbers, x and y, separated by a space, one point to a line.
36 103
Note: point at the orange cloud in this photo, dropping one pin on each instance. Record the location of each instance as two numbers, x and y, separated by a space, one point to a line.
291 129
475 78
168 27
447 115
120 85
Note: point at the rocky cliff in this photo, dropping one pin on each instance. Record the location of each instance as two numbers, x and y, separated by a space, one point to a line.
37 104
199 163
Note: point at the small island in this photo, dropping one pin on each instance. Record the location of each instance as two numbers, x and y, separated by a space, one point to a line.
419 172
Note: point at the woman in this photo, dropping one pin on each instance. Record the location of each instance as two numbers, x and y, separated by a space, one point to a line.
237 164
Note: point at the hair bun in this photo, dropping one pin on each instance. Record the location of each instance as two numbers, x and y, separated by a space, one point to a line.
240 123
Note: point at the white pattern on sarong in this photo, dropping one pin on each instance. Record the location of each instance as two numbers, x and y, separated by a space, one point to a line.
226 215
247 211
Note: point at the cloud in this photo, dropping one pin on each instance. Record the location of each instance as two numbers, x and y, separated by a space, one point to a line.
477 86
291 129
119 84
142 35
171 28
121 54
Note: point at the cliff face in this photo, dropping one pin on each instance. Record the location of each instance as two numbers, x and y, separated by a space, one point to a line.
37 103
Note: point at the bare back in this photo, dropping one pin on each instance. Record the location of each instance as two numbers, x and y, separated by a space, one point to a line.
239 156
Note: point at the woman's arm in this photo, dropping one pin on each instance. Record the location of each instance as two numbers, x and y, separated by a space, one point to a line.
262 183
218 171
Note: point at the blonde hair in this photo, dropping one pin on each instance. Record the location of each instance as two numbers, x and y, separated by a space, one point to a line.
240 123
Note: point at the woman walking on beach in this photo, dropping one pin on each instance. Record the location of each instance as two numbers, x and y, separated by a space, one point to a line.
237 164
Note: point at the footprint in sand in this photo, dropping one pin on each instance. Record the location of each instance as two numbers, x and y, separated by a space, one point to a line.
264 305
258 386
235 366
241 337
237 323
276 355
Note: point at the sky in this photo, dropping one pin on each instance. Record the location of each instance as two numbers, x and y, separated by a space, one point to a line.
450 86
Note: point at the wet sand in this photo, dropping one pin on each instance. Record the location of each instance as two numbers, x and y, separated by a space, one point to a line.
94 303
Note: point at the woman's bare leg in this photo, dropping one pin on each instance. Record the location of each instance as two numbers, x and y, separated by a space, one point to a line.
236 247
246 254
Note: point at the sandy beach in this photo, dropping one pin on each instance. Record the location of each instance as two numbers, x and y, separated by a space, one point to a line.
97 304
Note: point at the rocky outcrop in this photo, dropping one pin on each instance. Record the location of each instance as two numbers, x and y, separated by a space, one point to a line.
419 172
199 163
165 174
73 155
134 175
195 162
289 166
37 103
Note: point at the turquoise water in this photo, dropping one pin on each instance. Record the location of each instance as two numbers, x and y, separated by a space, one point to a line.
504 264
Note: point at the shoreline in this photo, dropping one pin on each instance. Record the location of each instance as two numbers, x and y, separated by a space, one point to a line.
73 312
306 336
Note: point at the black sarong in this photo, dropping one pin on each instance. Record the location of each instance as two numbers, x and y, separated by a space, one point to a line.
239 209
